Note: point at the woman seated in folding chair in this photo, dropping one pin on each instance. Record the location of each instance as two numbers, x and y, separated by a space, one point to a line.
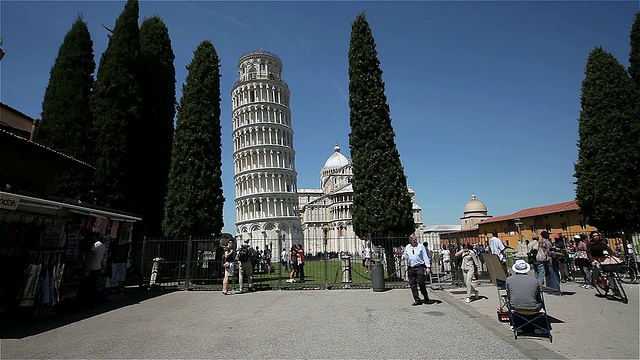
525 302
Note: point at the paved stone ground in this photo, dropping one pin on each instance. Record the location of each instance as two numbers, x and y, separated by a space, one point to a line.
324 324
270 324
585 325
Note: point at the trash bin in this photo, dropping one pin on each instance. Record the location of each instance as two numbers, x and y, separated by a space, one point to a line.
346 268
510 258
377 275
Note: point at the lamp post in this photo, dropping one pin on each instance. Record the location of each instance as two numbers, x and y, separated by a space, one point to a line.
278 251
518 223
325 229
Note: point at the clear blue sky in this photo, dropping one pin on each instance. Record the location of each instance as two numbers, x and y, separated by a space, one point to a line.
484 96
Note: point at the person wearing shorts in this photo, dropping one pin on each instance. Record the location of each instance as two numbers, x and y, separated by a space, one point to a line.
228 265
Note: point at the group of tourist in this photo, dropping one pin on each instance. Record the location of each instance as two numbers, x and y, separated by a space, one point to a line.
296 263
552 261
545 266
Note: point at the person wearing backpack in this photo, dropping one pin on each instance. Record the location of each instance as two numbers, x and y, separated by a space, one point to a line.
533 249
552 279
246 268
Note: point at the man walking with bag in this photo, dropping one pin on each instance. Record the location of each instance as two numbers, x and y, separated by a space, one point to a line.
533 250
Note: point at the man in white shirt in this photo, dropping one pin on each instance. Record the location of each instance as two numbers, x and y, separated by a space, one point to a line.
419 265
445 256
284 260
93 268
497 247
366 260
94 258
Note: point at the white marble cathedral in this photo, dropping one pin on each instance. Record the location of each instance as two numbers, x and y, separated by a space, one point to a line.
328 209
264 159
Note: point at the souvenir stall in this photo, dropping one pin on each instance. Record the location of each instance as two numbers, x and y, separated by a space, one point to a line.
43 252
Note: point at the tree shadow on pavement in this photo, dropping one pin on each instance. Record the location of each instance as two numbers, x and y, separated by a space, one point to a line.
20 325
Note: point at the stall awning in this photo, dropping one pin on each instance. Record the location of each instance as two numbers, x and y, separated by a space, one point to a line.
12 201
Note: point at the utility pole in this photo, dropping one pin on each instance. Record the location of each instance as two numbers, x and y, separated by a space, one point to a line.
518 223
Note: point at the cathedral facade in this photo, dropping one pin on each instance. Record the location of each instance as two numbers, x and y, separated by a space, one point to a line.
325 212
265 177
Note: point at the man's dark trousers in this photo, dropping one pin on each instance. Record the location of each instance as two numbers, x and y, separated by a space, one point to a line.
416 279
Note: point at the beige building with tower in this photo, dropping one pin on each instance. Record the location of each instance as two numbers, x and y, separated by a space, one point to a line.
326 212
474 212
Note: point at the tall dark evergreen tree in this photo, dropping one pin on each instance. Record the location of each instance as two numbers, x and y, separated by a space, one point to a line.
66 113
158 88
194 198
634 55
116 107
381 200
608 168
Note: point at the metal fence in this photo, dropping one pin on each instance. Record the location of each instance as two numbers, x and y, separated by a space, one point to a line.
196 264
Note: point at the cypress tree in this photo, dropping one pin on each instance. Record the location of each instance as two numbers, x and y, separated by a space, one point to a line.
381 200
608 168
158 89
116 108
66 114
194 197
634 54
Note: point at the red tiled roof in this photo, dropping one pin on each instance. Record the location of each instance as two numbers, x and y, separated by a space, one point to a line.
536 211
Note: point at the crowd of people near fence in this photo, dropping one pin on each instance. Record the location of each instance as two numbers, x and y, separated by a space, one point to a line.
555 258
563 263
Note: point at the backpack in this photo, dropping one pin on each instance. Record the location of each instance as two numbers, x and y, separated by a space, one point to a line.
243 253
253 255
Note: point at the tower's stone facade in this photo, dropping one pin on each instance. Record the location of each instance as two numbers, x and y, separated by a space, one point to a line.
264 159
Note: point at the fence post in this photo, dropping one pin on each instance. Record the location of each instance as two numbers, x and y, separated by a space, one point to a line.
187 276
142 260
324 255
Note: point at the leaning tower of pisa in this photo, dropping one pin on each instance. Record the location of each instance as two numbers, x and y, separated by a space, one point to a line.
263 156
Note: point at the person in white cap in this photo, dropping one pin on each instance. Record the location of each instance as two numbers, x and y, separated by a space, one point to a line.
524 290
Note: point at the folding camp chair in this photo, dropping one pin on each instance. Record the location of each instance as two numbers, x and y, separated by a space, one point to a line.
498 278
529 318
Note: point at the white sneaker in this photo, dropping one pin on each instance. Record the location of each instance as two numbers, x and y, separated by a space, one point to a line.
467 300
587 286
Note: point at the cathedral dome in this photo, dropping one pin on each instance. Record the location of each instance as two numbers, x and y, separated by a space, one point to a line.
336 160
475 206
